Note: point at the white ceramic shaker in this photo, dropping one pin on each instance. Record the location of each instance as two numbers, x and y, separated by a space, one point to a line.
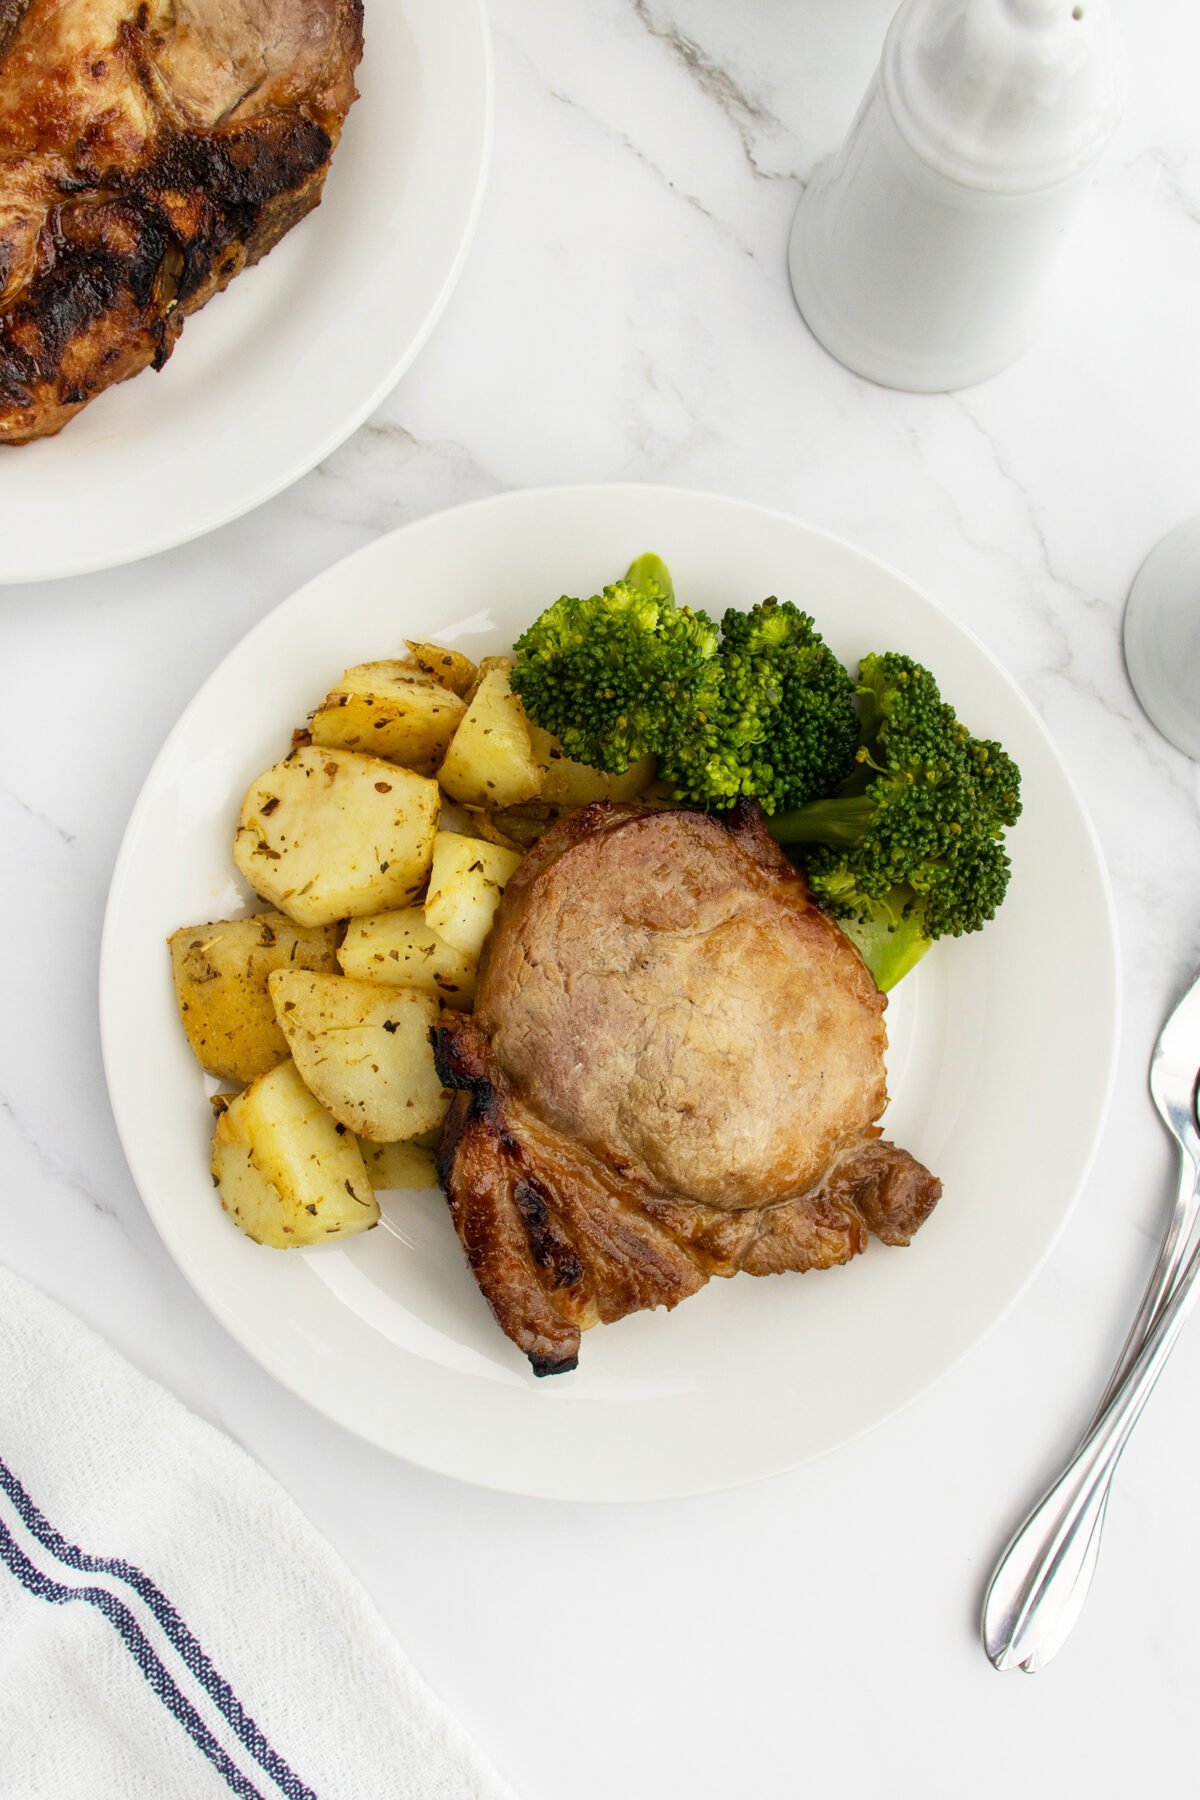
920 255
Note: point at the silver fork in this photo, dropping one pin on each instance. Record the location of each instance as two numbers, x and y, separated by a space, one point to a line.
1041 1582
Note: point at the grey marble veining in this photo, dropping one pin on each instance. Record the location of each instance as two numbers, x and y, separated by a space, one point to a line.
625 314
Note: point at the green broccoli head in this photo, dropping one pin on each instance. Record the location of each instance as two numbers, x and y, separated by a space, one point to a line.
605 673
758 707
781 727
912 847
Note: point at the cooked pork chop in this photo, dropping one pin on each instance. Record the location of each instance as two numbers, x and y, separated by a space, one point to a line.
673 1071
149 151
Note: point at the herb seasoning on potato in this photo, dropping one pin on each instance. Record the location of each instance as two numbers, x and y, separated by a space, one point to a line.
534 916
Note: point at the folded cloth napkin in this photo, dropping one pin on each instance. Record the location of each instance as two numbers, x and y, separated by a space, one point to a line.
171 1626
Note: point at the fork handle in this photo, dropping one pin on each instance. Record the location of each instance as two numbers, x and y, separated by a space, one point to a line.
1050 1624
1165 1275
1039 1572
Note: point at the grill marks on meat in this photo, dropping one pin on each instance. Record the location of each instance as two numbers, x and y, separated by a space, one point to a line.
673 1071
149 151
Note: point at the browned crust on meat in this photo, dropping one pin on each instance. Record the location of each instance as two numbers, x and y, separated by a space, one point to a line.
558 1241
562 1230
123 207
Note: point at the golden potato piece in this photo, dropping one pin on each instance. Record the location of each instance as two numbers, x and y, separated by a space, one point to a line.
569 783
286 1175
390 709
399 949
330 834
506 665
221 974
399 1165
490 761
449 667
465 885
364 1051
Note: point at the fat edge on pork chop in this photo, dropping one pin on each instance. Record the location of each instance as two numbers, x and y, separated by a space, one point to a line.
674 1070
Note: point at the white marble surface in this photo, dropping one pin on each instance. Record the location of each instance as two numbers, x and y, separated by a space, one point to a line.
625 314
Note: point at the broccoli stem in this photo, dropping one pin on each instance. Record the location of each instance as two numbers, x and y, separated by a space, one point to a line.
650 575
889 951
840 823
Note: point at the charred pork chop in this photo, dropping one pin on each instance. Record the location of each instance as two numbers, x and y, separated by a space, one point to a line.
673 1071
149 151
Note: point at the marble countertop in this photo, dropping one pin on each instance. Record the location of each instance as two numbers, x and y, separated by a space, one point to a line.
625 314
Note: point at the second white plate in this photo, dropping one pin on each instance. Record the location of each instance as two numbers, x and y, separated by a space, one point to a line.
280 369
1002 1047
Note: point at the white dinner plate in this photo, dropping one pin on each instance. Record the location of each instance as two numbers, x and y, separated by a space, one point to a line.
1002 1047
273 374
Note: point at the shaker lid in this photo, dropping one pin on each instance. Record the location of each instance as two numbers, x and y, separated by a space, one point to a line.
1011 95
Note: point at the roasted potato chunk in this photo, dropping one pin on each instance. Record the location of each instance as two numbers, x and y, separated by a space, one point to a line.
393 710
286 1175
221 974
399 1165
364 1051
330 834
465 885
490 761
569 783
488 664
449 667
400 950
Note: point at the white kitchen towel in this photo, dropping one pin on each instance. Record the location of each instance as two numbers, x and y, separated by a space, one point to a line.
171 1626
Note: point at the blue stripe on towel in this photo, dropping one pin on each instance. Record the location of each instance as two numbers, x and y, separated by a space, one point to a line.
139 1648
182 1640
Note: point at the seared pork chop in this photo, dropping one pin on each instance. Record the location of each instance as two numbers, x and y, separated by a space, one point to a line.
673 1071
149 151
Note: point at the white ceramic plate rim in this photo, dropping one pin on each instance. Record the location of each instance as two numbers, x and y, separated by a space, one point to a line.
563 1484
276 479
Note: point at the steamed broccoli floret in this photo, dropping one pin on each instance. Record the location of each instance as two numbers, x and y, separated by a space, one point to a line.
606 674
911 849
760 707
781 727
